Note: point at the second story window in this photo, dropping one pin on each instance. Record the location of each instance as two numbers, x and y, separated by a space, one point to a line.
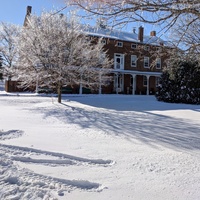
146 62
133 46
120 44
158 63
146 48
133 61
103 41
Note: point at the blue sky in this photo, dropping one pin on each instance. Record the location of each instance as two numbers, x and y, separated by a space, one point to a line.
13 11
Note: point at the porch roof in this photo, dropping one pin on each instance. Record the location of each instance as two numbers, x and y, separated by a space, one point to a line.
131 72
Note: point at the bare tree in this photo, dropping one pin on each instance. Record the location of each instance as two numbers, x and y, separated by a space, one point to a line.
54 52
167 14
187 37
127 11
8 50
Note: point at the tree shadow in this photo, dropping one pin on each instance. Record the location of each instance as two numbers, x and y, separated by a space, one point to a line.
139 123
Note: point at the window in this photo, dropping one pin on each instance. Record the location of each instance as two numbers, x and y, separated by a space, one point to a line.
103 41
158 63
158 79
133 46
158 48
133 61
146 62
146 48
120 44
144 81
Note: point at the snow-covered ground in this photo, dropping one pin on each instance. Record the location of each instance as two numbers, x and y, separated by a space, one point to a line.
98 147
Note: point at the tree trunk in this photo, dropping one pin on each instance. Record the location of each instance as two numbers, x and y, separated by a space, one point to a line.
59 93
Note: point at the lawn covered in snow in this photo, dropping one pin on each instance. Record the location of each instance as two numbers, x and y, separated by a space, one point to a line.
98 147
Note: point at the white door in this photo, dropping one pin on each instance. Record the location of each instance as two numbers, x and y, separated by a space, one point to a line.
119 61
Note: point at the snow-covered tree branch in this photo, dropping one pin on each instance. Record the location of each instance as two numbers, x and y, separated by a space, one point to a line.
130 10
55 52
166 14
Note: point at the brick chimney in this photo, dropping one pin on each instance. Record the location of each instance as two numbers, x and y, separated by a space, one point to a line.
28 13
28 10
153 33
141 34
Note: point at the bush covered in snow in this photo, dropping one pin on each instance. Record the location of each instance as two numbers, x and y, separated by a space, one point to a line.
180 83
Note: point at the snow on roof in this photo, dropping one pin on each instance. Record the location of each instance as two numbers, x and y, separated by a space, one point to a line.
124 36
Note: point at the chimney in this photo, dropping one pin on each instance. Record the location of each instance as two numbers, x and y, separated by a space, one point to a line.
141 34
153 33
28 13
28 10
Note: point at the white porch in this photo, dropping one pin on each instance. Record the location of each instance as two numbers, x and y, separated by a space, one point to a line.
119 79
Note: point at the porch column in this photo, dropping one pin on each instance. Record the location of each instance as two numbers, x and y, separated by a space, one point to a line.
37 84
117 77
133 84
81 86
100 89
148 84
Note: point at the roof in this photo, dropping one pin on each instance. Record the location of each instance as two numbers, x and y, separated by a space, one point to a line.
124 36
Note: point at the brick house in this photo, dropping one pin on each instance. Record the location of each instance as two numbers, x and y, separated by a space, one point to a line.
138 59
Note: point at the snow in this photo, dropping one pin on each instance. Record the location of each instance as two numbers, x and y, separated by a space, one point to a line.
122 35
98 147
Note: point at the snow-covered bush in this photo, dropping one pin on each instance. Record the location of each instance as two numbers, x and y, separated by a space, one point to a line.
180 83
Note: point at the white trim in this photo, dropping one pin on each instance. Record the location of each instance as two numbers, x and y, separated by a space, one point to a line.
134 72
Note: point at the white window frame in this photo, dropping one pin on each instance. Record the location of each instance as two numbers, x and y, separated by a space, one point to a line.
133 46
133 61
120 44
146 62
158 63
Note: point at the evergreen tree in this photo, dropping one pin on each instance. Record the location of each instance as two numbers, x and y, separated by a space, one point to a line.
180 83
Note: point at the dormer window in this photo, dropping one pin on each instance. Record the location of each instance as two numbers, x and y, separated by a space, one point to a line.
133 46
120 44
